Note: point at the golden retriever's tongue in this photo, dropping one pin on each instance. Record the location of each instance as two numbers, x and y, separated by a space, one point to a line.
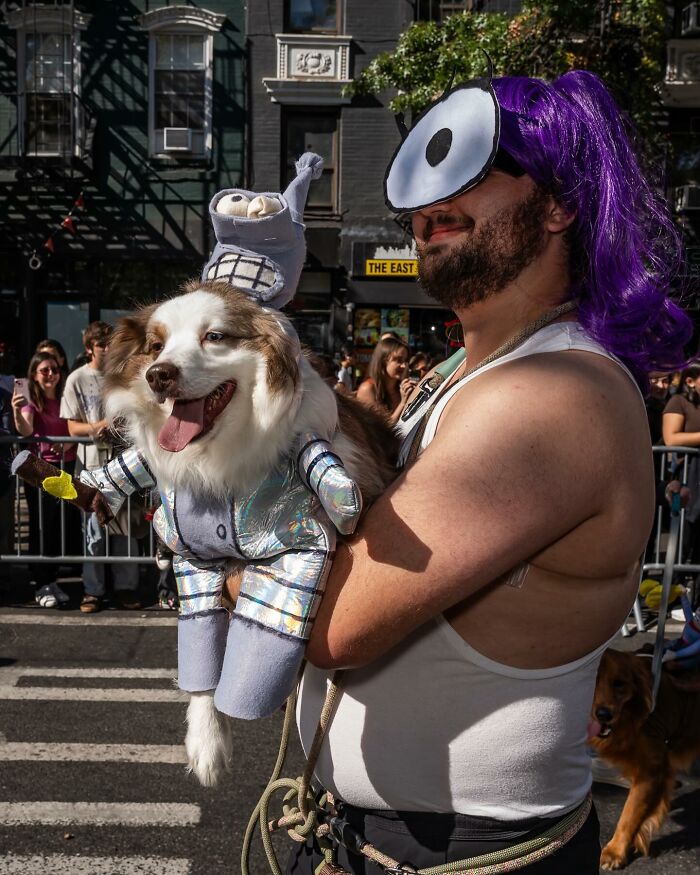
184 423
593 729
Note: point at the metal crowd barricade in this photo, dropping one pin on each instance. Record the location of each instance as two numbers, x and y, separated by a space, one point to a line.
670 463
147 544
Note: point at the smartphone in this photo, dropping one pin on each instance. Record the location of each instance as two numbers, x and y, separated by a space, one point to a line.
22 387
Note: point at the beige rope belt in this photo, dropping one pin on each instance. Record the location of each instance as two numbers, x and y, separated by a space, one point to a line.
304 817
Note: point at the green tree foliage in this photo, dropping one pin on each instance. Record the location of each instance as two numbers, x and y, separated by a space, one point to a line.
623 41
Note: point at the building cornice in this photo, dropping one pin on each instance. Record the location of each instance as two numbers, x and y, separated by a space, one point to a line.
182 18
50 19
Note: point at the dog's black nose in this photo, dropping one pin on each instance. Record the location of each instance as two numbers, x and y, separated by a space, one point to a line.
162 377
604 715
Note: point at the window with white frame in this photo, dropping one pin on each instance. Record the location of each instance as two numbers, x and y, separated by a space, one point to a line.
49 111
181 55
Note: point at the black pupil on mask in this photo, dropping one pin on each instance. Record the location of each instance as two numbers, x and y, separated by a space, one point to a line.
438 147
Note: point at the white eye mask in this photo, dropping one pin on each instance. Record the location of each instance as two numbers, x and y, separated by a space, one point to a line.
451 147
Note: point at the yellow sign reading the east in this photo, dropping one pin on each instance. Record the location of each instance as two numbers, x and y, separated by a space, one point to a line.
391 267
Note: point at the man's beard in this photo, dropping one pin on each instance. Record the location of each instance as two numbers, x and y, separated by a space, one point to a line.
486 260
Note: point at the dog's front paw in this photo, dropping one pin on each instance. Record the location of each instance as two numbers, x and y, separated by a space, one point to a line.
612 857
209 742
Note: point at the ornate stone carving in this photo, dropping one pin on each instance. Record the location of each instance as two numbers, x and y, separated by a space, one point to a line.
314 63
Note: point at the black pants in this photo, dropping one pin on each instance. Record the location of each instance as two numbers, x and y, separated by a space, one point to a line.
423 840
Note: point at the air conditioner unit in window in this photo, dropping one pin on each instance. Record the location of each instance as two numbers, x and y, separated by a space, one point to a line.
177 140
690 19
686 197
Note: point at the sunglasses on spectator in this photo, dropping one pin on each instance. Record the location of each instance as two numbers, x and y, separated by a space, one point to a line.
48 370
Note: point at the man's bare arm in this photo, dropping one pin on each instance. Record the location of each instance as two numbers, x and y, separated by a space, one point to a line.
506 476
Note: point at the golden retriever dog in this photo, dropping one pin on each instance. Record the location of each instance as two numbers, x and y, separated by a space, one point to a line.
648 747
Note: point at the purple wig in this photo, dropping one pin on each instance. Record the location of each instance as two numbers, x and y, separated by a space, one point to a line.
574 141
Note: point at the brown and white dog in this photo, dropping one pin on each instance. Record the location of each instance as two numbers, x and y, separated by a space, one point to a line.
233 372
648 747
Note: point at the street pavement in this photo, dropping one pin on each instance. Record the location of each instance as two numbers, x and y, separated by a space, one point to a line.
92 775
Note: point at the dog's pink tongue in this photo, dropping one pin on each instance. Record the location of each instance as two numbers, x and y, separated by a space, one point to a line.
184 423
593 729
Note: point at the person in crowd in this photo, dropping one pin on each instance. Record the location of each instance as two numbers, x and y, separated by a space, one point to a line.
656 404
55 347
345 377
39 416
681 415
461 721
387 386
681 428
419 366
82 406
7 482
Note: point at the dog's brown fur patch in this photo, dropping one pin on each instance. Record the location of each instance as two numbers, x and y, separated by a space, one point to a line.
255 329
128 349
648 748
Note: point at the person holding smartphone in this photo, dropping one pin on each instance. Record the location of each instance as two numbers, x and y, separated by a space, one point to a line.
36 409
387 387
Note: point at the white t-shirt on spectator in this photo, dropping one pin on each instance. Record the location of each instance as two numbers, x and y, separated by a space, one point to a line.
82 401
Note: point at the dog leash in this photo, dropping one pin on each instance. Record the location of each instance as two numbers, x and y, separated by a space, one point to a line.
666 584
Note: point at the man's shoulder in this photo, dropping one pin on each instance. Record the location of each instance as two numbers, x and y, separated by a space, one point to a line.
553 375
551 399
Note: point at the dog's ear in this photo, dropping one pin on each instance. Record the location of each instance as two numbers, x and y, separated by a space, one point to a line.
640 668
127 341
282 351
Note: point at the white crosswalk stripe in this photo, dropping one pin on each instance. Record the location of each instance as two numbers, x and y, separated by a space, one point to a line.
92 753
99 813
10 677
79 814
79 694
63 864
40 618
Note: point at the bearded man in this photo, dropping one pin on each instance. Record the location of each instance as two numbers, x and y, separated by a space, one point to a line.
475 601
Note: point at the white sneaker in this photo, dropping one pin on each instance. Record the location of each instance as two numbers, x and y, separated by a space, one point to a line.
61 597
45 597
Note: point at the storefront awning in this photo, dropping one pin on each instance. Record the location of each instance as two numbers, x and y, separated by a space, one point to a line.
389 294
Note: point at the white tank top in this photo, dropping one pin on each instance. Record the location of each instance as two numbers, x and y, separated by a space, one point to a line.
436 726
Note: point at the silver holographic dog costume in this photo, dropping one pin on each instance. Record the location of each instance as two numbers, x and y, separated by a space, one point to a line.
283 529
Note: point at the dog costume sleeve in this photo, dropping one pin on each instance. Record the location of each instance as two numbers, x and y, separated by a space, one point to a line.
60 484
119 478
325 475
